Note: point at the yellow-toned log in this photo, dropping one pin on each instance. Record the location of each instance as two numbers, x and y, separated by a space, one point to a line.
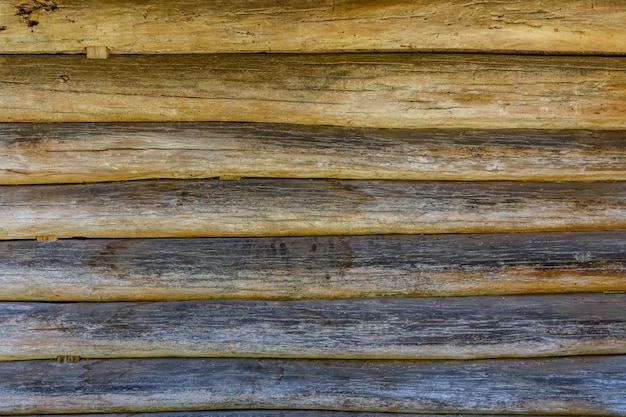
583 385
312 267
392 328
192 26
365 90
91 152
170 208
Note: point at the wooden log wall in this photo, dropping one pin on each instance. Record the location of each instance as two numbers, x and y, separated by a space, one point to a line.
320 208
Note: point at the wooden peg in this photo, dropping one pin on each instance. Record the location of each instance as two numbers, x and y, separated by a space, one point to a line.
97 52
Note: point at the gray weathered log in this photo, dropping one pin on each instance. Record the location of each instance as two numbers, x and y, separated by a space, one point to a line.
158 26
90 152
366 90
591 385
252 207
392 328
270 413
312 267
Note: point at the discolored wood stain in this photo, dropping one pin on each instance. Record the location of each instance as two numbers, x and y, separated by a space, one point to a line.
312 267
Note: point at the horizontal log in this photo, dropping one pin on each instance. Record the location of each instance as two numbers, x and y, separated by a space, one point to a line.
312 267
67 152
273 413
135 27
366 90
257 207
587 385
393 328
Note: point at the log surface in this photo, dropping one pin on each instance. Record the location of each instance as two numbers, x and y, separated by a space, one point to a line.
587 385
194 26
365 90
396 328
312 267
171 208
88 152
271 413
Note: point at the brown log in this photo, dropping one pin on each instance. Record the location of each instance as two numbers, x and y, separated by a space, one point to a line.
583 385
393 328
207 208
89 152
192 26
312 267
366 90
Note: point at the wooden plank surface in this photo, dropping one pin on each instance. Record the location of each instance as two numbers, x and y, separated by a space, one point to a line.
136 27
392 328
365 90
88 152
255 207
588 385
272 413
312 267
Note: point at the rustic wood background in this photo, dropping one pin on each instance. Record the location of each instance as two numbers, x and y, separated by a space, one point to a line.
313 208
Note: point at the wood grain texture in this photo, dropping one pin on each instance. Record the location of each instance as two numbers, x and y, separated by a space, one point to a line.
365 90
137 27
170 208
587 385
91 152
312 267
270 413
393 328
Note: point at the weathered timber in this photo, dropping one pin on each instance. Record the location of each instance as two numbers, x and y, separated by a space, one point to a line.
312 267
590 385
88 152
272 413
392 328
139 27
365 90
279 207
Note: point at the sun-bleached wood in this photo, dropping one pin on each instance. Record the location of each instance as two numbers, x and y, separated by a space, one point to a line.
312 267
280 207
583 385
91 152
191 26
365 90
391 328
